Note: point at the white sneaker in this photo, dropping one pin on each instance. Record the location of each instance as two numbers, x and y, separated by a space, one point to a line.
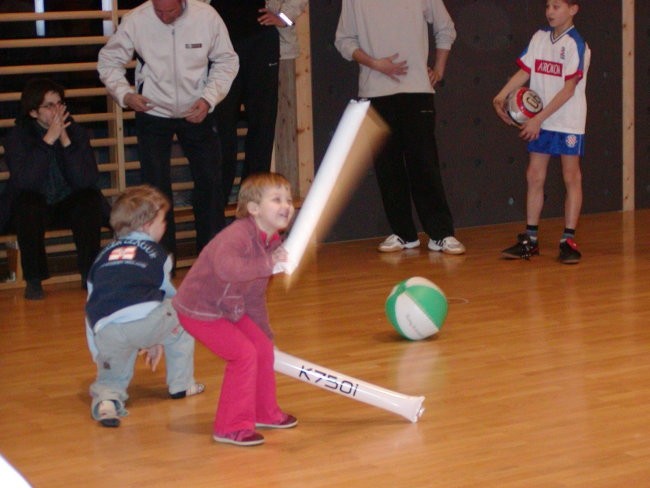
195 389
395 243
448 245
108 416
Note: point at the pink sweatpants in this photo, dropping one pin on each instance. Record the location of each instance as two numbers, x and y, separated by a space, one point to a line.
248 387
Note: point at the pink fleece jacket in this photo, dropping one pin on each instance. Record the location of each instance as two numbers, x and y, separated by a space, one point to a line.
230 277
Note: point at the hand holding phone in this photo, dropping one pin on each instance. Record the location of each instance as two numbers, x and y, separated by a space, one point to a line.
285 19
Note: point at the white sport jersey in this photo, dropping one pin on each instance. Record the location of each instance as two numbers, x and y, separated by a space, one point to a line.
550 62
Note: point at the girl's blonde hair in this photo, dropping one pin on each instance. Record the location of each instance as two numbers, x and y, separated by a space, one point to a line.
135 207
253 187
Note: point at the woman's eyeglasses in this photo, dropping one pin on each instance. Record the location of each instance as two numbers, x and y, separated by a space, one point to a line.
52 105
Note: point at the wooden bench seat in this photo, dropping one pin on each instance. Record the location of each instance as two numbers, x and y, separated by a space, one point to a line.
10 251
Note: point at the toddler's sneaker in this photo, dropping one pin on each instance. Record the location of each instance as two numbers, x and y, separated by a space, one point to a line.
569 253
195 389
448 245
395 243
244 438
287 422
524 249
108 414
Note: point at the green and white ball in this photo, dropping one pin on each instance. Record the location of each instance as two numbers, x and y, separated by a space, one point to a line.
417 308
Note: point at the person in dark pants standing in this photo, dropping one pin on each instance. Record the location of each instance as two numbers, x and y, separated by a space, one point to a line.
253 27
185 66
52 183
390 42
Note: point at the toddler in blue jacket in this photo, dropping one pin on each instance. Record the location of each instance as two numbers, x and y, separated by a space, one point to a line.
129 307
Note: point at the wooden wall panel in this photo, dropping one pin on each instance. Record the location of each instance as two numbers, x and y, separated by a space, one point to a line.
641 104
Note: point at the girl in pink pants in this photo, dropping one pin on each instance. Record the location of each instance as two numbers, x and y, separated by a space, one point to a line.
222 304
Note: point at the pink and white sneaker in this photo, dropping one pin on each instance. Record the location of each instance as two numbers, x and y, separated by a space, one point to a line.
244 438
287 422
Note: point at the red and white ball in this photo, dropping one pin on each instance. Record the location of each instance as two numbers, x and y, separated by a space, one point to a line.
523 104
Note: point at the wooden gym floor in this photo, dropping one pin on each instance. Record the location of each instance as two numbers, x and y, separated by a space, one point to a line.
540 377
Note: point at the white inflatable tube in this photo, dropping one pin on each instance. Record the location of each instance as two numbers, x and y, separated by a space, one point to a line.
10 477
328 172
409 407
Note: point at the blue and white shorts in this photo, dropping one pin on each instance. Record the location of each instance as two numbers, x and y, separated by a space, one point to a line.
558 144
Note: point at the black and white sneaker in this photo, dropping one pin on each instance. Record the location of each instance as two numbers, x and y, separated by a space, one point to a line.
524 249
448 245
569 253
108 416
394 243
195 389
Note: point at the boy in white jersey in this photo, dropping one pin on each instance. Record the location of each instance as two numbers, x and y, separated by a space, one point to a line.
556 63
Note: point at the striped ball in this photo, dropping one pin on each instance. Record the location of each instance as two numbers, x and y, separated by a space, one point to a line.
417 308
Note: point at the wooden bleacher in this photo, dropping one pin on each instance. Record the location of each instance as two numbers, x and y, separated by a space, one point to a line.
81 34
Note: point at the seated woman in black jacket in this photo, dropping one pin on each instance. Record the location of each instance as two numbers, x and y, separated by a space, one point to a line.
52 182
